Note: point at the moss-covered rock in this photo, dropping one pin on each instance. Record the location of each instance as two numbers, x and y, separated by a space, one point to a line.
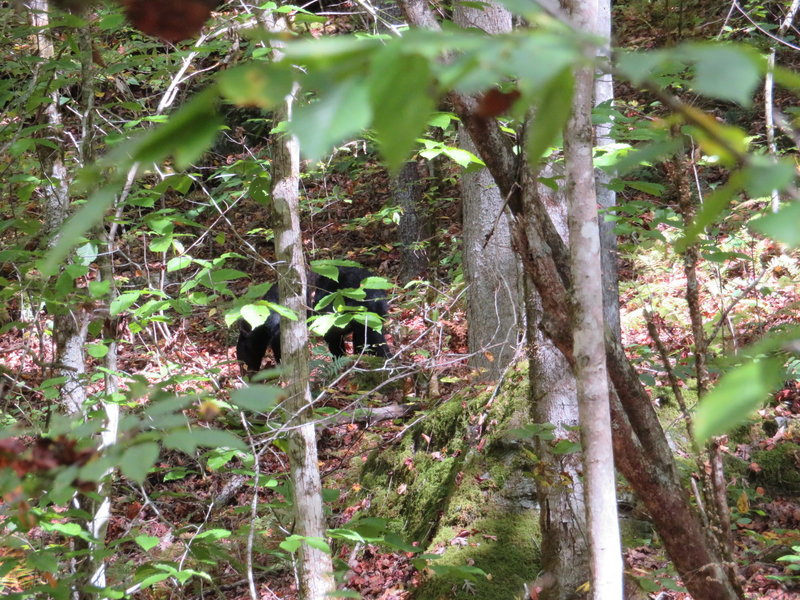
779 469
461 488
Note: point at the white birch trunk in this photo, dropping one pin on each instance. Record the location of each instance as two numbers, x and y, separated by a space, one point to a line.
589 342
315 566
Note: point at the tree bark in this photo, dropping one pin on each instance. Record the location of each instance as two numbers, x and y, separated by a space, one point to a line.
414 227
491 269
315 565
589 346
640 447
69 326
606 197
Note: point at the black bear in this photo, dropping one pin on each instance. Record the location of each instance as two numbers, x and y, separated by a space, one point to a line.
353 306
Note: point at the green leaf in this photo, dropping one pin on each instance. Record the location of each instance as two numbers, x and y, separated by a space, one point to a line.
186 134
564 446
146 542
736 395
177 263
782 226
214 534
43 560
713 205
222 275
292 543
764 175
99 289
137 461
255 314
97 350
726 72
340 113
395 541
216 438
72 231
550 115
257 84
400 89
260 190
220 458
181 439
257 398
123 302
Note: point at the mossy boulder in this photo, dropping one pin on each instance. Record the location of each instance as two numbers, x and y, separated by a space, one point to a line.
779 469
462 488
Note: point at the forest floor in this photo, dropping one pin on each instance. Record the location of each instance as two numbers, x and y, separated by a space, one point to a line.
766 515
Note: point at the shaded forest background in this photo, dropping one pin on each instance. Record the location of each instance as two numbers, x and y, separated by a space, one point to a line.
191 513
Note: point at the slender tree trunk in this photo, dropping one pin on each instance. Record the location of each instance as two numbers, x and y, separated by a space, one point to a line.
414 227
69 326
589 344
316 568
640 447
494 289
606 197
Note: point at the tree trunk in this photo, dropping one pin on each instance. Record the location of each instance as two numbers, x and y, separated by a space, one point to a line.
606 197
491 269
315 565
69 327
640 448
414 227
559 488
589 345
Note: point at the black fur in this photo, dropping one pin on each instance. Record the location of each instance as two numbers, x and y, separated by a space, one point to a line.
253 343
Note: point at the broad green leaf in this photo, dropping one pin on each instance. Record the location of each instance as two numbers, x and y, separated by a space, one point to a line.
646 154
442 120
256 84
177 263
216 438
726 72
713 205
648 187
551 114
123 302
763 175
137 460
99 289
213 534
376 283
72 231
221 275
186 135
97 350
736 395
782 226
87 253
400 88
220 458
181 439
291 543
395 541
339 113
538 59
44 560
146 542
716 139
255 314
260 190
257 398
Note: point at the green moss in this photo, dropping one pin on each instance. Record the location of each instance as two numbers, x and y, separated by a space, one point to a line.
502 546
780 468
456 472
